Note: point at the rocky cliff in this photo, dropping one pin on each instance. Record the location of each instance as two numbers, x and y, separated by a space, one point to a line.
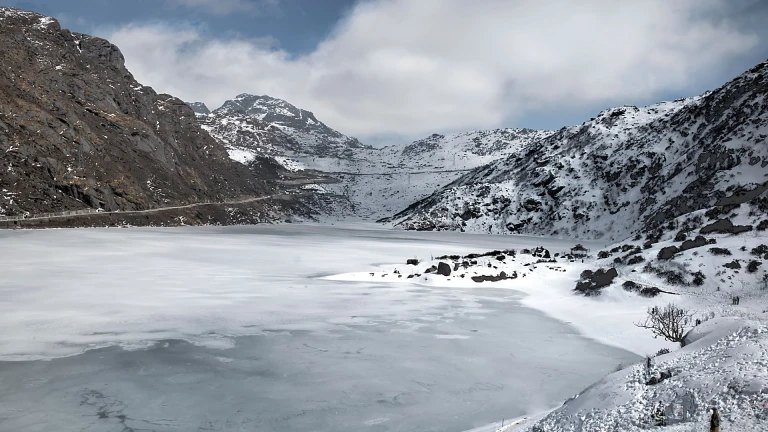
77 131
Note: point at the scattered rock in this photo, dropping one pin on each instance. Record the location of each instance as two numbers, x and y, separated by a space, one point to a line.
412 261
443 269
499 277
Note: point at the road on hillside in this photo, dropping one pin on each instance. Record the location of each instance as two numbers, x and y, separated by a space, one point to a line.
153 210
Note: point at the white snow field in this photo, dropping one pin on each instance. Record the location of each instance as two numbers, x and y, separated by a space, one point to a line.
243 328
724 364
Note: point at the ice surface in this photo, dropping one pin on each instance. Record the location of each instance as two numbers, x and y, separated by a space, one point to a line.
235 329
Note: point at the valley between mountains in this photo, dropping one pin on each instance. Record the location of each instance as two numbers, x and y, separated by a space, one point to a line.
452 243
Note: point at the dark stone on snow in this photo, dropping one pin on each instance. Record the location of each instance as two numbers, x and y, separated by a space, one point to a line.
443 269
499 277
724 226
699 241
592 282
412 261
668 252
732 265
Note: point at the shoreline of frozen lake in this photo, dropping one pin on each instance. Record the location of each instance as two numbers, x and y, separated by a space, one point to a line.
233 327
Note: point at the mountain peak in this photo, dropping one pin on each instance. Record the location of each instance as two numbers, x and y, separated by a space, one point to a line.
199 108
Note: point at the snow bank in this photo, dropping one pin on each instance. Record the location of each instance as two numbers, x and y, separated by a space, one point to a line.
726 367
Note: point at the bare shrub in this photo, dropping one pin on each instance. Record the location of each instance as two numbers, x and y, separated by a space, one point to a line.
670 322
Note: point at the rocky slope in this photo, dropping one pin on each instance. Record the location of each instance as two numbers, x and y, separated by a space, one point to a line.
77 131
244 124
629 169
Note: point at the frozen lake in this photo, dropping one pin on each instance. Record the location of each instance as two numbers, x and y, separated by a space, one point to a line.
233 329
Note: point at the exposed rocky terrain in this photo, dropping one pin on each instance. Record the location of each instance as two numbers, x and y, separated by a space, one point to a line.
246 121
77 131
628 170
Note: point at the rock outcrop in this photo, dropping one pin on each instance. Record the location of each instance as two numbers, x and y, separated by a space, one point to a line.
77 131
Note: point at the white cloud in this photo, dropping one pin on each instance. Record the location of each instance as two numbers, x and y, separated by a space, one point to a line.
226 7
416 67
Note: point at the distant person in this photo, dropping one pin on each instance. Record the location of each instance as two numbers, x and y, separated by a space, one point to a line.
714 421
648 367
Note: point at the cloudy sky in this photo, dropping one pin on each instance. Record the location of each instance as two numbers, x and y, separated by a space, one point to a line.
391 70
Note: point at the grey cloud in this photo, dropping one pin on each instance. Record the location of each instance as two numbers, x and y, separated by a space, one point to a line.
417 67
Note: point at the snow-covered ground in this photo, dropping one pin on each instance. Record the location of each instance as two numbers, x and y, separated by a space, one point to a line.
240 328
725 364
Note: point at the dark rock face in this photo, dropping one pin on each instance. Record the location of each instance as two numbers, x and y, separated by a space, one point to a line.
77 131
412 261
443 269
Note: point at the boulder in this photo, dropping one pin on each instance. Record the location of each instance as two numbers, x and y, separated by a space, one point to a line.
592 282
668 252
699 241
412 261
443 269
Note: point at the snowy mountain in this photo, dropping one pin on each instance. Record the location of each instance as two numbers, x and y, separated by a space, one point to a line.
380 182
375 182
625 170
300 131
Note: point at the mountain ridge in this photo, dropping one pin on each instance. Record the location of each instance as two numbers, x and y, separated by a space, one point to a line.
597 179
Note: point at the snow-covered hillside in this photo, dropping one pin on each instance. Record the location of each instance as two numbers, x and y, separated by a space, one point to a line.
380 182
627 169
235 122
376 182
700 262
725 361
